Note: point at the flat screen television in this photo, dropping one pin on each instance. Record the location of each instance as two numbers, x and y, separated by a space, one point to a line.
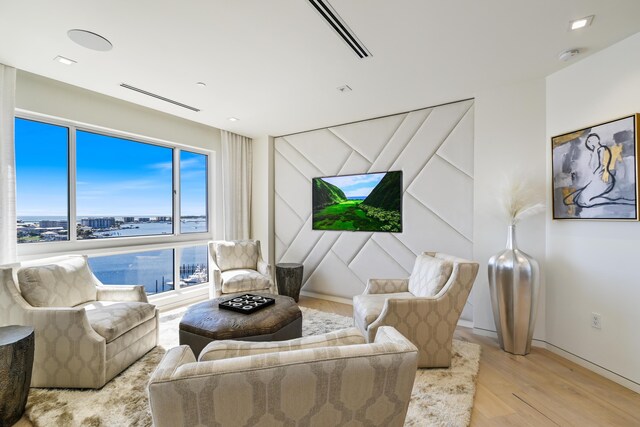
365 202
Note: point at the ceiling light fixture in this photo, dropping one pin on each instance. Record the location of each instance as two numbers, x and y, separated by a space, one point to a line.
63 60
581 23
201 84
233 119
90 40
568 54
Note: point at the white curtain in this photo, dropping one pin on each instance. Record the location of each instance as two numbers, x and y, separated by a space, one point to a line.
237 161
8 244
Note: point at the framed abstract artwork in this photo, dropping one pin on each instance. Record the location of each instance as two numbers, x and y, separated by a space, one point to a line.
595 171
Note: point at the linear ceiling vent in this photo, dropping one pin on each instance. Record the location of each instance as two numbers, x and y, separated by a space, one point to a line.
161 98
331 16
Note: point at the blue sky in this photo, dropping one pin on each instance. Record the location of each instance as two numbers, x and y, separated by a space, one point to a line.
115 177
356 185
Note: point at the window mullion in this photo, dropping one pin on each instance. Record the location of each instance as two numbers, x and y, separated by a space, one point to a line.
176 191
73 231
177 256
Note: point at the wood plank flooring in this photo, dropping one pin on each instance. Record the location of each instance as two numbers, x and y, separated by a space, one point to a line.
540 389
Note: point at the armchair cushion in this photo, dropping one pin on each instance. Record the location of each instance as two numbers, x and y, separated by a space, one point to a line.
66 283
236 254
111 319
429 275
243 280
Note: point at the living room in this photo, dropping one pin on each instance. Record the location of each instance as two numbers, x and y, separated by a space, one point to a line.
453 101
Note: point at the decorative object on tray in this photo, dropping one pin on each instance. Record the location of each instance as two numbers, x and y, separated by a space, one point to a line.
16 364
514 276
595 171
289 279
247 303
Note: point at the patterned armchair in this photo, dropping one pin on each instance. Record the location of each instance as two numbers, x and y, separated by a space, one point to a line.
425 308
324 380
85 333
237 266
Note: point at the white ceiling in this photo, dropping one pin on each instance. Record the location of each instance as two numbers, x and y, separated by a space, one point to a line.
275 64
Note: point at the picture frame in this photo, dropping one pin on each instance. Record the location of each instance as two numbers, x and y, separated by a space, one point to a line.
595 171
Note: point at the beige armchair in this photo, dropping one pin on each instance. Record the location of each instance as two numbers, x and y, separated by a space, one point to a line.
85 333
237 266
325 380
425 308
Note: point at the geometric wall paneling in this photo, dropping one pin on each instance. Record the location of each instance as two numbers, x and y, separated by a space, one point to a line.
433 188
368 138
434 149
398 141
430 232
459 144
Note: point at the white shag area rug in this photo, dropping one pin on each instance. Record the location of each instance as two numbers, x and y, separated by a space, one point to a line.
440 397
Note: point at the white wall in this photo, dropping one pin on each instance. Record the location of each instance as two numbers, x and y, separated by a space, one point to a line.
49 97
434 149
510 141
593 265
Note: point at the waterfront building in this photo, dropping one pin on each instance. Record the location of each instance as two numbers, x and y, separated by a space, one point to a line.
104 222
45 223
141 219
128 219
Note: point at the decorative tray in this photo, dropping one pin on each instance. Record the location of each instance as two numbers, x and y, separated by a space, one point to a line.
247 303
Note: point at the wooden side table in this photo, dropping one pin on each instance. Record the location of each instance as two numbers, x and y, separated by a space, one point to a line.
289 279
16 363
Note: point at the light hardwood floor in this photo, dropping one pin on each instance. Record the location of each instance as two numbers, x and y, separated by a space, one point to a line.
540 389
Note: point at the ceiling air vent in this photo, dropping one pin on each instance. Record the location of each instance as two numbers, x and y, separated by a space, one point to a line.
333 19
161 98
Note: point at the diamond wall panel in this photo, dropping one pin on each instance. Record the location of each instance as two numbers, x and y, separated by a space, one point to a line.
437 206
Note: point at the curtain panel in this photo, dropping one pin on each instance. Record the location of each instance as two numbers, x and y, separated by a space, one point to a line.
237 158
8 239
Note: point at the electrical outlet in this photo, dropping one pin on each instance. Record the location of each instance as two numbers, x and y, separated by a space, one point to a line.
596 320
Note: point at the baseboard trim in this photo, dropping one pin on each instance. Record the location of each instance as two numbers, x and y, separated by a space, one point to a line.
327 297
604 372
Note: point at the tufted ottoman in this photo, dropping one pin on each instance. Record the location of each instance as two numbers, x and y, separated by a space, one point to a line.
205 322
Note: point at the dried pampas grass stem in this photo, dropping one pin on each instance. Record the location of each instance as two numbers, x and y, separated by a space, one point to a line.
520 200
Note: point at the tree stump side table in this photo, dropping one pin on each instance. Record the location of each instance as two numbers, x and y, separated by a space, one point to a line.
16 363
289 279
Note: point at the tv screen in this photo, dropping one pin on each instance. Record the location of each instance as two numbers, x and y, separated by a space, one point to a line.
366 202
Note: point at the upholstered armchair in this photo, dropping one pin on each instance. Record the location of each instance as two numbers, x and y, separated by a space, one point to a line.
425 308
86 333
237 266
325 380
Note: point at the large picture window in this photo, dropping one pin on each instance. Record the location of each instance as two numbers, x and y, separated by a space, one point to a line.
42 181
119 187
123 187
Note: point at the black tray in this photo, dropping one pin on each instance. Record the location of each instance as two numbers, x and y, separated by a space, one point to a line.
247 303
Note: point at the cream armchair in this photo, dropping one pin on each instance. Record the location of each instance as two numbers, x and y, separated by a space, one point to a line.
425 308
237 266
325 380
85 333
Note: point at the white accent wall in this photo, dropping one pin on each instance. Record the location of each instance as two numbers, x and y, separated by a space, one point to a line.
592 266
434 149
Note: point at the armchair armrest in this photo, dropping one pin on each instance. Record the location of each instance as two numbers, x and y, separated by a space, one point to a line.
216 288
225 349
386 286
172 360
134 293
264 268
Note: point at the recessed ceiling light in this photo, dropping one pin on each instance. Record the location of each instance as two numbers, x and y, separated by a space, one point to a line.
581 23
90 40
63 60
201 84
344 89
233 119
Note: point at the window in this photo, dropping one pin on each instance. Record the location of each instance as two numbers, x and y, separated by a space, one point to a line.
123 188
152 269
193 192
194 265
42 181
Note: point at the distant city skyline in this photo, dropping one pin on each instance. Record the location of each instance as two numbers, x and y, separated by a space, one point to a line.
113 174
